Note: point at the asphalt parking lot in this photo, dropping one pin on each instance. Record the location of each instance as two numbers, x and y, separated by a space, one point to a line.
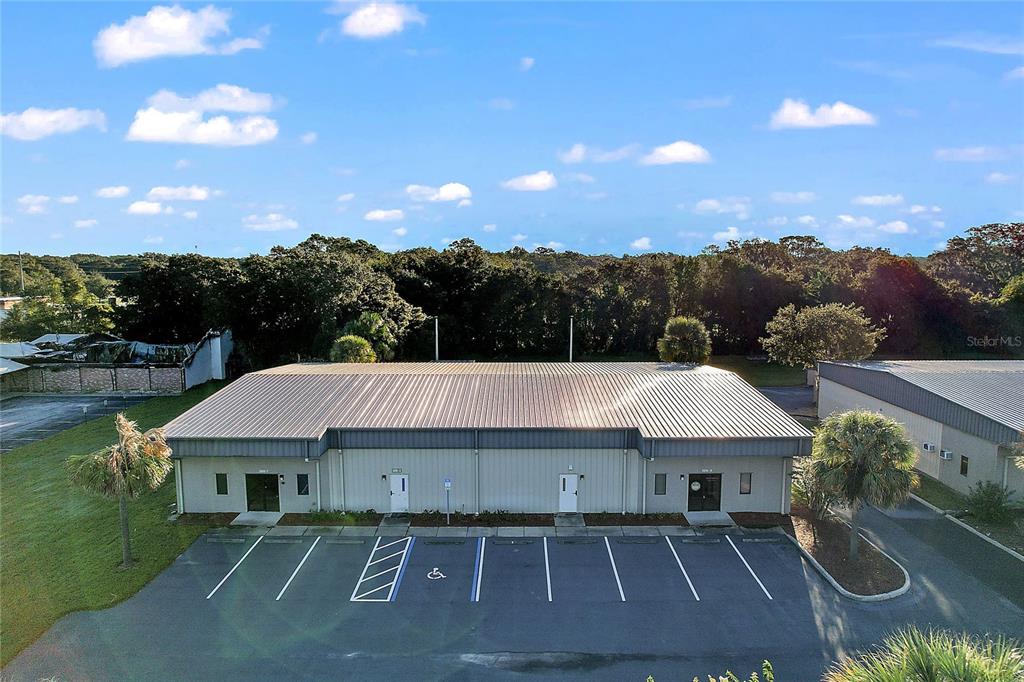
236 607
25 419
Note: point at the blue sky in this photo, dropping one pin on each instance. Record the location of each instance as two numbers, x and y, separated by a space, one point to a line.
596 127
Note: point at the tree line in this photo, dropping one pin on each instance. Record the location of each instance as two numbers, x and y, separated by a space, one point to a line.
295 302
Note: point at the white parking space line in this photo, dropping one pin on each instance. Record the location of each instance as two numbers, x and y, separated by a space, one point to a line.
763 589
614 569
680 563
296 571
399 559
547 568
479 568
225 578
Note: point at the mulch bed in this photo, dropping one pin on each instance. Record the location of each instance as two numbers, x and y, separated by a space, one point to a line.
762 520
218 519
613 519
487 519
827 540
331 519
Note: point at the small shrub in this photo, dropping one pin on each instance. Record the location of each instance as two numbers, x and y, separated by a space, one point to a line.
808 490
989 502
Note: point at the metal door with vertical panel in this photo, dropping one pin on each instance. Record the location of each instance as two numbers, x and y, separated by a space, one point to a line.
705 492
568 492
399 492
262 492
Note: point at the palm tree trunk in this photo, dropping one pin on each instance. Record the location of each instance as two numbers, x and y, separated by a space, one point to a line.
854 531
126 540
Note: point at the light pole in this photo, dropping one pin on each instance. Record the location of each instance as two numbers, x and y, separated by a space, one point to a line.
437 346
570 338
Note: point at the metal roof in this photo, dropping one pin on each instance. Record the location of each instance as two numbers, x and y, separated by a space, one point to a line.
661 400
991 389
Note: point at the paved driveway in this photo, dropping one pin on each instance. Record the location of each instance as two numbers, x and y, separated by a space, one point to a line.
582 608
26 419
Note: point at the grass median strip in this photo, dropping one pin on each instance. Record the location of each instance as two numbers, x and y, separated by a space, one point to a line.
60 547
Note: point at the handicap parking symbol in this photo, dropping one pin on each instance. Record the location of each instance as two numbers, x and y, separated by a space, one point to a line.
435 574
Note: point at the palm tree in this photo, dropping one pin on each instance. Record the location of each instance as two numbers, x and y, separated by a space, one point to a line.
863 458
136 463
914 656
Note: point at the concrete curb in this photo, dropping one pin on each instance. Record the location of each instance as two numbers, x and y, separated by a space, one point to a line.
995 543
899 591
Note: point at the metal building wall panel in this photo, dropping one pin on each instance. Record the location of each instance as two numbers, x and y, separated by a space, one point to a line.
527 480
237 447
367 486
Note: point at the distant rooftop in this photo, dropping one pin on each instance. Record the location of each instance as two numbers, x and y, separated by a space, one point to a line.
991 388
661 400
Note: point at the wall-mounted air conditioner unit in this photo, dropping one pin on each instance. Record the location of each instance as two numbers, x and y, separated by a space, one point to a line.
945 454
928 447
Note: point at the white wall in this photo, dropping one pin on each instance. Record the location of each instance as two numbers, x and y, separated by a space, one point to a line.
199 482
985 463
769 485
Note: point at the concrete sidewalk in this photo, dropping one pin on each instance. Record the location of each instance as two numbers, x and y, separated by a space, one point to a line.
461 531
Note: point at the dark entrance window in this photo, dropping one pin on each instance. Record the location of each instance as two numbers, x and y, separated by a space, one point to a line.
745 483
964 461
262 492
222 484
704 492
302 483
660 484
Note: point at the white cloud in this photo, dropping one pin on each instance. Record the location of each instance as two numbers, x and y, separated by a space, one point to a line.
88 222
526 63
172 118
738 206
170 32
463 203
271 222
519 237
190 215
970 154
68 199
540 181
807 221
707 103
553 245
1015 73
399 231
878 200
153 239
182 164
308 138
452 191
793 197
895 227
983 42
345 198
920 209
997 178
730 234
778 221
679 151
579 177
641 244
113 192
857 222
191 193
501 104
797 114
579 152
490 227
34 203
145 208
383 215
35 123
378 19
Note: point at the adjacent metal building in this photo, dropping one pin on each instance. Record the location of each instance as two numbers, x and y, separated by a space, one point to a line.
524 437
964 415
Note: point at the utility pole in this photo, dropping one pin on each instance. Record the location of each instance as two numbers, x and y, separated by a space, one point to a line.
21 267
570 338
437 346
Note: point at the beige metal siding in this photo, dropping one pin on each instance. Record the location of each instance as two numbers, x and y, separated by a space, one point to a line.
366 484
200 488
769 490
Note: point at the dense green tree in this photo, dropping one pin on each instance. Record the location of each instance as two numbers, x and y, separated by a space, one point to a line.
685 340
860 458
373 328
67 308
826 332
983 260
351 348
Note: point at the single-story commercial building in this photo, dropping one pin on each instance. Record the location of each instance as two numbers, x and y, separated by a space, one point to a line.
523 437
963 415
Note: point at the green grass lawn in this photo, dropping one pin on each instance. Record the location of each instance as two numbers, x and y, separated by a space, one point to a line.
942 496
60 547
939 494
760 373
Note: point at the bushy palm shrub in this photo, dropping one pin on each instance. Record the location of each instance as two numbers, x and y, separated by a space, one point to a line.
934 656
989 502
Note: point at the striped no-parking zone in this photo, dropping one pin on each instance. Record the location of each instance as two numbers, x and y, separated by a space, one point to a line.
386 565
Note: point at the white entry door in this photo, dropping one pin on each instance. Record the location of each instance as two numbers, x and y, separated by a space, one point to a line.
399 492
568 492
